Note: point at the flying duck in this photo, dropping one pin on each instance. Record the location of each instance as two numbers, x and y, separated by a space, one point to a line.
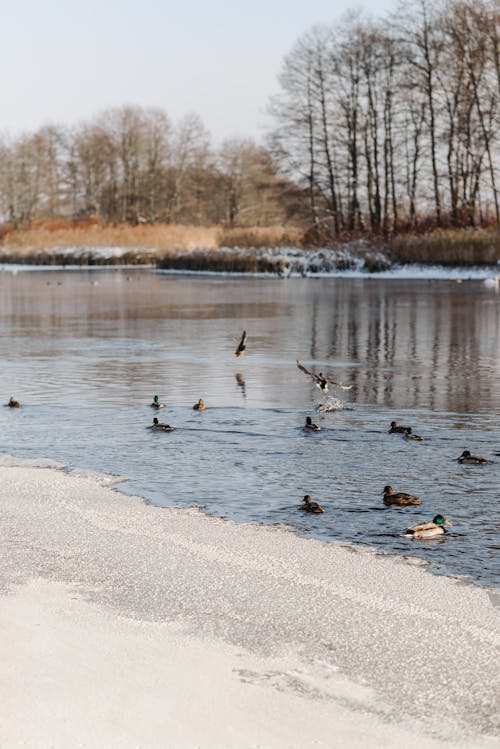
320 380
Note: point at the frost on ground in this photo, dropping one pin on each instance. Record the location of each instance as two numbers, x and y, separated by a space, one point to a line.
171 628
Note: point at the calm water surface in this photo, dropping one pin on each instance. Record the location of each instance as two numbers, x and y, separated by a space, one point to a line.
86 351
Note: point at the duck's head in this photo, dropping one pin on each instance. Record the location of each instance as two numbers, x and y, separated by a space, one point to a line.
388 489
465 454
394 424
155 421
155 399
440 520
409 430
308 420
307 499
201 402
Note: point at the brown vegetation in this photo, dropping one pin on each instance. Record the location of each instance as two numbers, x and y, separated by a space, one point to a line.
158 237
215 248
448 247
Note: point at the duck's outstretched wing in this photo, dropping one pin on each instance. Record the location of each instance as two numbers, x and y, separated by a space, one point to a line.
307 372
241 345
337 384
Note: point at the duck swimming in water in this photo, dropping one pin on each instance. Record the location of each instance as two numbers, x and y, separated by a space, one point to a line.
320 380
13 403
158 427
156 403
395 429
310 426
311 506
469 459
241 345
200 406
400 498
428 530
408 435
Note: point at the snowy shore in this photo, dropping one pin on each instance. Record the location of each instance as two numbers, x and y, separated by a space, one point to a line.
125 625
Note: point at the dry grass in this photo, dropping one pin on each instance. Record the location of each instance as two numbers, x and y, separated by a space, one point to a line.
159 237
197 247
448 247
260 236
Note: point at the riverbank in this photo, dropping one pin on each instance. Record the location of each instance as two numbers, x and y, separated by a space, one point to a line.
126 625
273 249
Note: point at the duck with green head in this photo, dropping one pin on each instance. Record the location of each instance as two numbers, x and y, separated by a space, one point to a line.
156 403
157 426
428 530
310 426
469 459
409 435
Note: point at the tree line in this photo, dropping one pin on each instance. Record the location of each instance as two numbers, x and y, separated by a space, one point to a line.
379 126
133 165
394 123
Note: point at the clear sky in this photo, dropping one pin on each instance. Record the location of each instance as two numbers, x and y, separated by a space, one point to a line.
63 61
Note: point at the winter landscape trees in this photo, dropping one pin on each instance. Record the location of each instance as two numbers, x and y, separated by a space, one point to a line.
380 127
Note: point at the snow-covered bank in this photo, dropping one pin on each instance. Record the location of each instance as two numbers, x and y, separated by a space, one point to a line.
126 625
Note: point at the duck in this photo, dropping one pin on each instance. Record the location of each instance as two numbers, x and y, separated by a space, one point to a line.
13 403
469 459
241 345
395 429
311 506
428 530
399 498
200 406
310 426
320 380
158 427
156 403
409 435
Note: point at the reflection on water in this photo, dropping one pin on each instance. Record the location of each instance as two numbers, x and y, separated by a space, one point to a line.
86 359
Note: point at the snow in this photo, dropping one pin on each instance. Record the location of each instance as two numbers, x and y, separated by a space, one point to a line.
125 625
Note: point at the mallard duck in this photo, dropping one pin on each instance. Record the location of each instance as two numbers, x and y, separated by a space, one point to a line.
312 427
320 380
395 429
408 435
400 498
466 457
13 403
241 345
158 427
311 506
156 403
428 530
200 406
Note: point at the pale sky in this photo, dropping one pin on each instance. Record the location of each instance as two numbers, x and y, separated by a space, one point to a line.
63 62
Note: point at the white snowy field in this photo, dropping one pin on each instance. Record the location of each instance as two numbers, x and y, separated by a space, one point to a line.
126 625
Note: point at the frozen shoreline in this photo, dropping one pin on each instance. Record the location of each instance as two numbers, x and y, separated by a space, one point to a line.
126 625
294 269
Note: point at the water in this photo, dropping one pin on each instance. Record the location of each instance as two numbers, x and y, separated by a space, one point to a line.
86 351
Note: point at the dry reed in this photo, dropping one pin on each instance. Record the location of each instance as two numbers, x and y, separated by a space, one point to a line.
158 237
260 236
448 247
